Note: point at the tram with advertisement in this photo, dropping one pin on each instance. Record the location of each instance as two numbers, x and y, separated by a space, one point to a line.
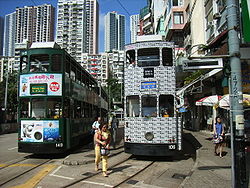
58 100
152 124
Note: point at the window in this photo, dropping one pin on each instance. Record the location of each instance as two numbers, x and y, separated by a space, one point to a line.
56 60
38 108
24 109
130 57
24 64
133 106
166 105
167 57
148 57
54 108
178 18
39 63
149 106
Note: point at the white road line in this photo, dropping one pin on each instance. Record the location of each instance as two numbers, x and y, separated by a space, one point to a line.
64 177
96 183
58 168
66 157
12 148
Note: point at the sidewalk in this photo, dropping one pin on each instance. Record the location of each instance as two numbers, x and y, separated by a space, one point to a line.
209 170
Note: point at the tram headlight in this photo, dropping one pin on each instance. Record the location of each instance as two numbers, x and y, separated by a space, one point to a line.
149 136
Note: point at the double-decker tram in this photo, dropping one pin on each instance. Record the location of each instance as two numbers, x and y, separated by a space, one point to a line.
152 126
58 100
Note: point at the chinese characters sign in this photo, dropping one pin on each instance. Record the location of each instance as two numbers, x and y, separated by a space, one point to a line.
40 84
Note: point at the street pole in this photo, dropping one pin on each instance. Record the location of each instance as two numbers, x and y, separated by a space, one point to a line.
236 98
6 94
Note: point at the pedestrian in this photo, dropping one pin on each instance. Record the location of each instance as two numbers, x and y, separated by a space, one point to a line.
102 139
114 126
96 124
218 136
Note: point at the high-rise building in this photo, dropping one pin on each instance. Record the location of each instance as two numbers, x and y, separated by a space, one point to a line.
92 26
114 31
1 35
134 27
77 27
9 34
35 23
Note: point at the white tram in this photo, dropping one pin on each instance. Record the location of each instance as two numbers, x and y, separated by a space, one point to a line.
152 126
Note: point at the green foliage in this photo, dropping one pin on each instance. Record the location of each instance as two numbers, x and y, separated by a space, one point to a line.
193 76
11 92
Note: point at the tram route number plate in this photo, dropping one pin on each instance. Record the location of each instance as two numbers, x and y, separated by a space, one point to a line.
171 147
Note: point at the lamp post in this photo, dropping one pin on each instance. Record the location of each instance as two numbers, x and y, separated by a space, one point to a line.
236 98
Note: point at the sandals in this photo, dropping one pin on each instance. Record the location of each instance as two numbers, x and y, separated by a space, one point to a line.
96 168
105 174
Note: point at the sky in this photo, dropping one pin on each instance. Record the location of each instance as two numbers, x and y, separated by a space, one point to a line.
105 6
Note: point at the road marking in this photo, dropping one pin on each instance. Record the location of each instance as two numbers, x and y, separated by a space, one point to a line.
64 177
12 148
96 183
14 165
37 178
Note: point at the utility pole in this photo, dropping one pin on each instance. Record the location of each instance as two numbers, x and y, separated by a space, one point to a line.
236 98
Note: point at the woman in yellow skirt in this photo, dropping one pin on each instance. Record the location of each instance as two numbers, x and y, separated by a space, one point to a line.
102 139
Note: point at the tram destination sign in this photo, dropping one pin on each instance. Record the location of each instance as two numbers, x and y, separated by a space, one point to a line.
149 85
38 88
148 73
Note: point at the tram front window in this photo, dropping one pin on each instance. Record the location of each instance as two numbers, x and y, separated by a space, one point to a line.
38 108
166 105
133 106
39 63
149 106
148 57
54 108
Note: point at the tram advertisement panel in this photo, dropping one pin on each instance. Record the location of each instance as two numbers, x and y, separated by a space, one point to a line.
44 84
39 131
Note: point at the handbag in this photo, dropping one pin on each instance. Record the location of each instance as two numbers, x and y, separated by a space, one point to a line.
104 151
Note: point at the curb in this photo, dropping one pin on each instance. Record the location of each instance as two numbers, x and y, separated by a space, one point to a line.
192 170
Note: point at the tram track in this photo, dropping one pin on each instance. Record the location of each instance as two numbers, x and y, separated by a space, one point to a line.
9 178
124 164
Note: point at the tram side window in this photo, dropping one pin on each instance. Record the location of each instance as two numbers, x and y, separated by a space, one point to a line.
56 60
130 57
148 57
38 108
167 57
166 105
24 64
24 108
133 106
39 63
77 109
149 106
66 110
67 69
54 108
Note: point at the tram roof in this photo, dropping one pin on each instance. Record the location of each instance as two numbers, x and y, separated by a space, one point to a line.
45 45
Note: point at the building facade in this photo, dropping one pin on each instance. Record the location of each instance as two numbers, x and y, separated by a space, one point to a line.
35 23
1 35
7 64
77 27
134 27
114 31
9 34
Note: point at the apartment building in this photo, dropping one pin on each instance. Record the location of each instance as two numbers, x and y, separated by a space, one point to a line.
114 31
7 64
77 27
35 23
9 34
134 27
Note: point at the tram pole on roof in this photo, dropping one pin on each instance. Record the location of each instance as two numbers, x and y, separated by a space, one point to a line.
236 98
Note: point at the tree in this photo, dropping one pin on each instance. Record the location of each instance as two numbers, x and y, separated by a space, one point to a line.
12 94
